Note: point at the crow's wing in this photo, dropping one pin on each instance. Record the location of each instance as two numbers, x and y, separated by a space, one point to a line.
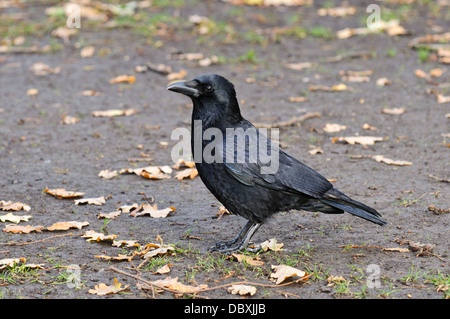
289 175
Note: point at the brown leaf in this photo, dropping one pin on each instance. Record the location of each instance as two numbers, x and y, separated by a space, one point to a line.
102 289
253 261
62 193
394 111
242 290
123 79
176 75
174 284
119 257
363 140
69 120
383 82
115 112
107 174
164 269
182 163
382 159
23 229
188 172
10 262
127 243
94 236
153 211
271 244
92 201
9 205
283 272
333 127
67 225
111 215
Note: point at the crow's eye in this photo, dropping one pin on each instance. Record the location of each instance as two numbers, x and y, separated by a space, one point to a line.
209 88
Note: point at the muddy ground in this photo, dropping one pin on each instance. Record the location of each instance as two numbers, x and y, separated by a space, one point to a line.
253 45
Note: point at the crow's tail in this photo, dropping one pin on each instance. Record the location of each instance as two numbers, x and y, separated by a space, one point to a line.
336 199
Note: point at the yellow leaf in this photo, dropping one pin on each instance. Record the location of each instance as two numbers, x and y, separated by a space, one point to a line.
10 262
188 172
23 229
174 284
94 236
32 92
14 218
333 127
9 205
107 174
248 259
153 211
271 244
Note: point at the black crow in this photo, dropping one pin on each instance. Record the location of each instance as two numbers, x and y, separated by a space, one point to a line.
254 182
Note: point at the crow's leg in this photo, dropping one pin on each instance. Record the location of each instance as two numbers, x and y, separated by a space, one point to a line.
241 240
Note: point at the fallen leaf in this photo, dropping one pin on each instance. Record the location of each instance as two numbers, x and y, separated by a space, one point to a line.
107 174
123 79
297 99
42 69
174 284
188 172
397 249
126 243
67 225
102 289
9 205
87 52
299 66
382 159
23 229
271 244
176 75
92 201
369 127
32 92
442 99
150 172
115 112
153 211
283 272
392 28
128 208
242 290
394 111
334 279
383 82
69 120
363 140
334 88
253 261
10 262
62 193
119 257
337 11
163 270
333 127
94 236
112 215
90 93
437 72
14 218
181 163
316 150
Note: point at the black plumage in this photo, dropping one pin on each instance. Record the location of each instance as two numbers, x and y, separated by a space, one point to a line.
247 185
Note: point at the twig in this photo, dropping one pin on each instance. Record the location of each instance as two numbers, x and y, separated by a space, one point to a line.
292 121
151 284
21 243
439 179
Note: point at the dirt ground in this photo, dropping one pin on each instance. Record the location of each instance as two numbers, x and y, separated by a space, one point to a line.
342 254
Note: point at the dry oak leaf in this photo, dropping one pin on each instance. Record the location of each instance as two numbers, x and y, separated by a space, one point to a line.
62 193
112 215
107 174
94 236
128 208
363 140
253 261
115 112
394 111
333 127
148 209
92 201
10 217
382 159
283 272
188 172
164 269
23 229
161 250
10 262
119 257
102 289
242 290
67 225
182 163
123 79
174 284
150 172
9 205
271 244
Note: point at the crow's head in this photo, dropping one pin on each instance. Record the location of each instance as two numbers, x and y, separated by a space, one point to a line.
209 93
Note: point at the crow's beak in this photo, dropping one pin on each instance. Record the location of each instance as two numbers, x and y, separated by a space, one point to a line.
184 87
